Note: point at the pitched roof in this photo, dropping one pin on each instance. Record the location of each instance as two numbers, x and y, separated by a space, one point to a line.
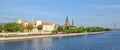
47 23
30 23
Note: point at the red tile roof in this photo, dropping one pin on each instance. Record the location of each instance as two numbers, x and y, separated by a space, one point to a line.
47 23
34 24
30 23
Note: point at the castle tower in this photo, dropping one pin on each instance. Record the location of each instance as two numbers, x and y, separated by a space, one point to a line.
19 20
67 22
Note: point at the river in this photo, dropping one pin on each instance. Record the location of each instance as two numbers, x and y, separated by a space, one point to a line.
105 41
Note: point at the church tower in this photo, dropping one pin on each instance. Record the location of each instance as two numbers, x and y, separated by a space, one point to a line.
67 22
72 22
19 20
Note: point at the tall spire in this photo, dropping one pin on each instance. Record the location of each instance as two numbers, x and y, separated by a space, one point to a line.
114 24
32 19
38 18
67 22
19 19
72 22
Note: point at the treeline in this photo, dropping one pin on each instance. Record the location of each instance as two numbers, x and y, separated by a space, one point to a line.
79 29
11 27
16 27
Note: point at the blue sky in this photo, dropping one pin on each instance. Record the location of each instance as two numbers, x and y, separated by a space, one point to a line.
101 13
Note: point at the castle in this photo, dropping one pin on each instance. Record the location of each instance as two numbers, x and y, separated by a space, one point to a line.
47 26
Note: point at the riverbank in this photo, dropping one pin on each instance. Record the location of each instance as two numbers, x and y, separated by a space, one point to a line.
45 36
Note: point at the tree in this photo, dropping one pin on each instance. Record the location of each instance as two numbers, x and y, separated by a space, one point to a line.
20 27
1 28
79 30
107 29
30 27
54 31
95 29
40 27
68 27
60 28
14 27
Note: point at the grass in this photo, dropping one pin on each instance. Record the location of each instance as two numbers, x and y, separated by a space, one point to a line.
9 35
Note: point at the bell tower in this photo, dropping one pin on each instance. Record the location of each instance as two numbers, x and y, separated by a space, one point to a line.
67 22
19 20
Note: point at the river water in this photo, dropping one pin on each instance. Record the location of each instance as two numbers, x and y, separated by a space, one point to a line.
105 41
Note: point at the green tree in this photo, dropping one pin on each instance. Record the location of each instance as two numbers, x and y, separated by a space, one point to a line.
60 28
40 27
79 30
30 27
1 28
54 31
20 27
67 27
95 29
14 27
107 29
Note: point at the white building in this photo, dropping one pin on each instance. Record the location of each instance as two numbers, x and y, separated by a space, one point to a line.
47 26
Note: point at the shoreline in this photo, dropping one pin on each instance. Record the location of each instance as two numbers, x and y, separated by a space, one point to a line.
46 36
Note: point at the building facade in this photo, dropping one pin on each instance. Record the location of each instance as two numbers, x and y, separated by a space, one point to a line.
47 26
67 23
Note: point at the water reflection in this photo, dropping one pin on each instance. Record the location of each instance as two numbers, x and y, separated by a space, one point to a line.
42 43
107 41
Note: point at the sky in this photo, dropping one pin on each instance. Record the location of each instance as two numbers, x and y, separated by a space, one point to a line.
102 13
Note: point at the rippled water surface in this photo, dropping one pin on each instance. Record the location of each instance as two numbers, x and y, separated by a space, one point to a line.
105 41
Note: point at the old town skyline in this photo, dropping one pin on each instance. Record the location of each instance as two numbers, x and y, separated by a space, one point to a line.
105 14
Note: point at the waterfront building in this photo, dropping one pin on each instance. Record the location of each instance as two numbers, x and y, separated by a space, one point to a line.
67 23
48 27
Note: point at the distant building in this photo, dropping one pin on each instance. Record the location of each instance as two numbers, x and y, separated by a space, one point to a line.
67 22
47 26
72 23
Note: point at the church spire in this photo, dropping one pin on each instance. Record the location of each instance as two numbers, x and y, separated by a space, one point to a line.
67 22
32 19
19 19
72 22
